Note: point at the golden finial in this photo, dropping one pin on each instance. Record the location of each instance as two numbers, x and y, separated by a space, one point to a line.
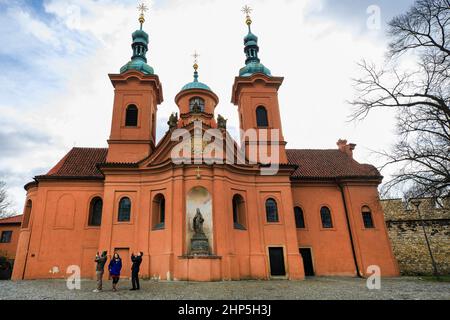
143 9
247 10
195 56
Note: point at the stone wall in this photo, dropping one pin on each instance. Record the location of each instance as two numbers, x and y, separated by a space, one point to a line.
408 240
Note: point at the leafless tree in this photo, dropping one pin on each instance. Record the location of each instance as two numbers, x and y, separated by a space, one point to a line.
420 96
4 201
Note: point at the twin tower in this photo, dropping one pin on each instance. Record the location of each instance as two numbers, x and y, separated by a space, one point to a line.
138 92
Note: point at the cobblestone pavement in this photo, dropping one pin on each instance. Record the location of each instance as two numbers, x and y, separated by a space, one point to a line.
310 289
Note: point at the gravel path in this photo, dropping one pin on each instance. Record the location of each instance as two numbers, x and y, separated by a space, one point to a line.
310 289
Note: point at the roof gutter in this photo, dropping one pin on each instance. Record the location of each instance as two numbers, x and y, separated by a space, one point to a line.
350 232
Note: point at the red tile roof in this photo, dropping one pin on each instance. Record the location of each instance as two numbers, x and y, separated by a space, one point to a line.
312 164
328 164
79 163
12 220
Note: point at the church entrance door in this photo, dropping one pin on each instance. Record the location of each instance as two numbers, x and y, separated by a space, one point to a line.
277 266
307 261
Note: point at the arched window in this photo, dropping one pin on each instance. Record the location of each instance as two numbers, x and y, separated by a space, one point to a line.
367 218
159 212
325 215
271 210
124 210
238 212
299 218
262 120
197 105
27 214
95 212
131 119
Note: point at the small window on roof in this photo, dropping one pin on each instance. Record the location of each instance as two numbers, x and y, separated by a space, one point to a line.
197 105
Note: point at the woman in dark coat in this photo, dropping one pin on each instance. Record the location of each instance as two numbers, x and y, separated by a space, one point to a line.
115 266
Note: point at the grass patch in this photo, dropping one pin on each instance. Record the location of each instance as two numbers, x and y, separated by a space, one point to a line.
436 279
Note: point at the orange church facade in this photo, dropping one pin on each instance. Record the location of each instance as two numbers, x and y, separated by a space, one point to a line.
318 215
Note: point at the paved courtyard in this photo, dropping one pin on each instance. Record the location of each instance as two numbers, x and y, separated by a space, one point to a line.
313 289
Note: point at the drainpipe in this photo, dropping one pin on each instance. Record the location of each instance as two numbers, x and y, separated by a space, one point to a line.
341 188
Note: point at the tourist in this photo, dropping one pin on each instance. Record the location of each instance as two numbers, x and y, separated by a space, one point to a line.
115 266
137 260
100 269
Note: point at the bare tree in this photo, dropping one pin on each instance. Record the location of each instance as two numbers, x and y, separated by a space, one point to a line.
420 96
4 201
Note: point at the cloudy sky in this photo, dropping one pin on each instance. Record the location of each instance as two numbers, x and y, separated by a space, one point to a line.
56 55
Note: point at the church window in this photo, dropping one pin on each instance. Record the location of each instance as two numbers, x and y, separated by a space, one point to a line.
261 117
124 210
131 119
271 211
95 212
159 212
6 237
197 105
367 218
299 218
238 212
325 215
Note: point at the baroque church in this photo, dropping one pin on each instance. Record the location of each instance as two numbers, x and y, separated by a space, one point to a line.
319 214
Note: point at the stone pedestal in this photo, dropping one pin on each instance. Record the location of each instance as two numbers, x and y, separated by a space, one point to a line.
200 245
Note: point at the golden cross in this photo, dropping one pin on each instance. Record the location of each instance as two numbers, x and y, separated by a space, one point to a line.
142 8
198 173
247 10
196 56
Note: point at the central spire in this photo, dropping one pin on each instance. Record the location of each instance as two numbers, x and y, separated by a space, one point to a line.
140 47
196 56
253 63
196 84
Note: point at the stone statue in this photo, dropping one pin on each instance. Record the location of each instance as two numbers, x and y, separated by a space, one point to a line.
198 223
173 121
199 241
196 108
221 122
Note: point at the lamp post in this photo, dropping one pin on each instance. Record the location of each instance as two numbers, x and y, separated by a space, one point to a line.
417 204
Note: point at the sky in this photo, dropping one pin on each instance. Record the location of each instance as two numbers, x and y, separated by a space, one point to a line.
56 55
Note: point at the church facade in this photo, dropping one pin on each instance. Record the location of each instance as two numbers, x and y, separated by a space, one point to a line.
193 216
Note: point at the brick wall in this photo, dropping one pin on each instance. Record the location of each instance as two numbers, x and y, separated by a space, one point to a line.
407 238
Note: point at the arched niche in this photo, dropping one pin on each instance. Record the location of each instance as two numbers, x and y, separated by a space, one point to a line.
199 198
65 212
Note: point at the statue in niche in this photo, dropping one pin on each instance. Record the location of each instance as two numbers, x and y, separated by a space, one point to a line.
199 242
196 108
198 223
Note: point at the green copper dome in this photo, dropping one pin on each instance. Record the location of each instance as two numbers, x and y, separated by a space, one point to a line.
250 39
252 68
196 84
139 60
138 65
253 64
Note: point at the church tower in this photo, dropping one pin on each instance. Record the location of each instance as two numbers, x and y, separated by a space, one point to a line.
138 93
255 92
